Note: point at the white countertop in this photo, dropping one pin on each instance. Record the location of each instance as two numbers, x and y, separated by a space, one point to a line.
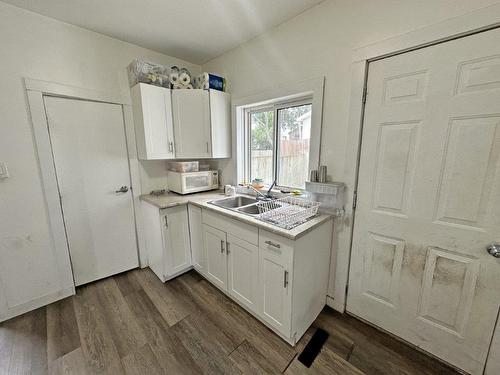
203 199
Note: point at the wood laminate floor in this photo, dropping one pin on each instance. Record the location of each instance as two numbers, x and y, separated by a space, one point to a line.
134 324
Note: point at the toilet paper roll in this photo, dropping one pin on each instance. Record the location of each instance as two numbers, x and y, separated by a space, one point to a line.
179 86
174 77
184 78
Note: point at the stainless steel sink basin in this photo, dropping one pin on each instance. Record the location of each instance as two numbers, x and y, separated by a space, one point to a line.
240 203
234 202
251 210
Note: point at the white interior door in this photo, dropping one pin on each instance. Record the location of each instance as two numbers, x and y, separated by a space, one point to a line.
493 362
429 199
90 155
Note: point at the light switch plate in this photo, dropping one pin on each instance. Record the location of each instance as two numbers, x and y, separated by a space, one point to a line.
4 172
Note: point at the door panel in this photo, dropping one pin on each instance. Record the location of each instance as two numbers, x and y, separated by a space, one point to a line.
196 234
191 113
91 162
274 288
429 199
214 241
176 235
243 268
493 364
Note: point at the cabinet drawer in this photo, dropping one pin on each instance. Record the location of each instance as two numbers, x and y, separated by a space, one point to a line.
238 229
280 247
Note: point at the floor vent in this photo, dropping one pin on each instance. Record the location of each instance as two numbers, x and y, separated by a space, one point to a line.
313 347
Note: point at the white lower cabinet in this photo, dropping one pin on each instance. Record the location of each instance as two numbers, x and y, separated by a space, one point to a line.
196 235
275 265
167 240
243 272
215 249
281 281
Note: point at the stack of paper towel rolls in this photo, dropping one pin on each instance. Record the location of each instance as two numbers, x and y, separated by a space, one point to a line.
180 78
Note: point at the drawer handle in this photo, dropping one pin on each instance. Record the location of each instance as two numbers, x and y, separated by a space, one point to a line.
270 243
285 279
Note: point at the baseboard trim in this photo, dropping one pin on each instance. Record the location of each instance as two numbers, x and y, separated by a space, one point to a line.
331 302
36 303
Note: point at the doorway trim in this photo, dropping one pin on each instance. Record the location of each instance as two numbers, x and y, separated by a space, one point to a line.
35 91
471 23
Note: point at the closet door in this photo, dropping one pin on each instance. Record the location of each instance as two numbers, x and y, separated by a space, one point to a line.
90 156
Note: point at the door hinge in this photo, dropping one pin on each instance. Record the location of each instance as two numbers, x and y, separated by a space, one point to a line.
346 289
365 93
354 200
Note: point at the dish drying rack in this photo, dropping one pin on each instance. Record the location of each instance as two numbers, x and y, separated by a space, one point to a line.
287 212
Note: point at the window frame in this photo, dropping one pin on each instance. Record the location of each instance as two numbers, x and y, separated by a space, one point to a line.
275 107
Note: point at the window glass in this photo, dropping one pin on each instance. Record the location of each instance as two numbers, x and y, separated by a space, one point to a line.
294 134
262 145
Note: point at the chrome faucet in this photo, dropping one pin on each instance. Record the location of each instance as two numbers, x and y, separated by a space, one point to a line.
266 196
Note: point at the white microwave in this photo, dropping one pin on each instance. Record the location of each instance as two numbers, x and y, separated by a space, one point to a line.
192 182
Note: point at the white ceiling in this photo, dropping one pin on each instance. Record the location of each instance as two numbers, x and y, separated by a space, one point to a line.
193 30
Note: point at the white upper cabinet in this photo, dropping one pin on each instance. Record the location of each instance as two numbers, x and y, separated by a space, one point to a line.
152 107
220 119
181 124
191 113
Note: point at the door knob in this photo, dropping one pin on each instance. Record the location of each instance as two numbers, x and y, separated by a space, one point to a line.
123 189
494 250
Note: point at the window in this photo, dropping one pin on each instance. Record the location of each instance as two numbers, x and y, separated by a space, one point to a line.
278 141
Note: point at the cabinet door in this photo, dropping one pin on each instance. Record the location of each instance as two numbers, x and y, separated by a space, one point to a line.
215 247
176 240
275 288
191 113
196 234
152 108
220 120
243 269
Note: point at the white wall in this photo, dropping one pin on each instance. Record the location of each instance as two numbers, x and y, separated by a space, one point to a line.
42 48
320 42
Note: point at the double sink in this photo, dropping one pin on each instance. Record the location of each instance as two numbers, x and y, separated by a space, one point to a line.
239 203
